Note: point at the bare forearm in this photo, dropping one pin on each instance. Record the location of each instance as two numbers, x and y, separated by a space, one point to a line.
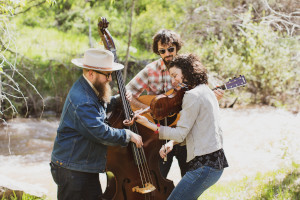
137 104
151 126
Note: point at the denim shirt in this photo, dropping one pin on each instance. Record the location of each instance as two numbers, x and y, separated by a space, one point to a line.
83 136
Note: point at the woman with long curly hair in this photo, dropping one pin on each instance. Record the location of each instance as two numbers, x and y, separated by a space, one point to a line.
198 126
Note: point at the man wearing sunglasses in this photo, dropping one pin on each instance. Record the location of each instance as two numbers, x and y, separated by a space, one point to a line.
79 151
155 79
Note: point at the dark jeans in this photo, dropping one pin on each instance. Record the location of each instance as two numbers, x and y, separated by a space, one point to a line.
75 185
180 153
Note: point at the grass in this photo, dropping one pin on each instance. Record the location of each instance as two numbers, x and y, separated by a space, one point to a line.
20 196
50 43
283 184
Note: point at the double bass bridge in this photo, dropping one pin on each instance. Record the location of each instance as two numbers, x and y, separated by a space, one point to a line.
147 189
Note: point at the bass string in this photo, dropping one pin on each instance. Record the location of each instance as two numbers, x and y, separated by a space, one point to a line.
138 152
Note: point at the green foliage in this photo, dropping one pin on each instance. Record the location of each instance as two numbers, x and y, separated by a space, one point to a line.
48 65
154 17
20 195
42 44
8 7
282 185
223 33
266 58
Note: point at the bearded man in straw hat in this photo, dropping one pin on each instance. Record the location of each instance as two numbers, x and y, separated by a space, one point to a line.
79 151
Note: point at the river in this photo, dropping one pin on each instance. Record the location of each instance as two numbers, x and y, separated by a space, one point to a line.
255 140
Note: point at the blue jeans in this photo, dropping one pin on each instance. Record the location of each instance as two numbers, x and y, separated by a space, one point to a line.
195 182
75 185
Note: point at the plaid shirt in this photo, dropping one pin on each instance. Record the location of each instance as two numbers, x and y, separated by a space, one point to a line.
154 78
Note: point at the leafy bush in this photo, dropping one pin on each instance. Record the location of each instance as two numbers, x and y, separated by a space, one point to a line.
268 59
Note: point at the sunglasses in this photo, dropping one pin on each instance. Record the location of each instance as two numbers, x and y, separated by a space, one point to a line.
163 51
107 75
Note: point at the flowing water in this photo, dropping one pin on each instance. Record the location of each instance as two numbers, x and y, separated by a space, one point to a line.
255 140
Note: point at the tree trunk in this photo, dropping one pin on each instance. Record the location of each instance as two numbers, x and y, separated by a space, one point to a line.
90 34
0 94
129 41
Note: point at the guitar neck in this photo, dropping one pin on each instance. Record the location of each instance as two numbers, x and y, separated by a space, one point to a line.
234 83
223 87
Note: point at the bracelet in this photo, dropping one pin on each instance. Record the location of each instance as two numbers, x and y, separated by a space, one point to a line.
156 132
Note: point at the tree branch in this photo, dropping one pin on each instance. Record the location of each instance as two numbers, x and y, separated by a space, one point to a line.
3 47
27 9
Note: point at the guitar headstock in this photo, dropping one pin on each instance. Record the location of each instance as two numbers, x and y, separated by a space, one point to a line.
235 82
105 35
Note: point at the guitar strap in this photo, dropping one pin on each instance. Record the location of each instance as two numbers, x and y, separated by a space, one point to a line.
164 82
165 159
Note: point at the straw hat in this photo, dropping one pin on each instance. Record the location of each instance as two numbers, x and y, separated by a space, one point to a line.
98 59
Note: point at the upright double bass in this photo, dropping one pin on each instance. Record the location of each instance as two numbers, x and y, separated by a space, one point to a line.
133 173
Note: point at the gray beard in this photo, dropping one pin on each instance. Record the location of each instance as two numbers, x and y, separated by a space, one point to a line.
104 90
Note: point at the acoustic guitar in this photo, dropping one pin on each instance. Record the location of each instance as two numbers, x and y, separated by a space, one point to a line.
172 118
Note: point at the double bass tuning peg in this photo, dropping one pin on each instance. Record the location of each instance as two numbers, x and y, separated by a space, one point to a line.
103 23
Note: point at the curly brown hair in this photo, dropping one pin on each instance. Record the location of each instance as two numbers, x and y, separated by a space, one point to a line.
194 73
166 37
